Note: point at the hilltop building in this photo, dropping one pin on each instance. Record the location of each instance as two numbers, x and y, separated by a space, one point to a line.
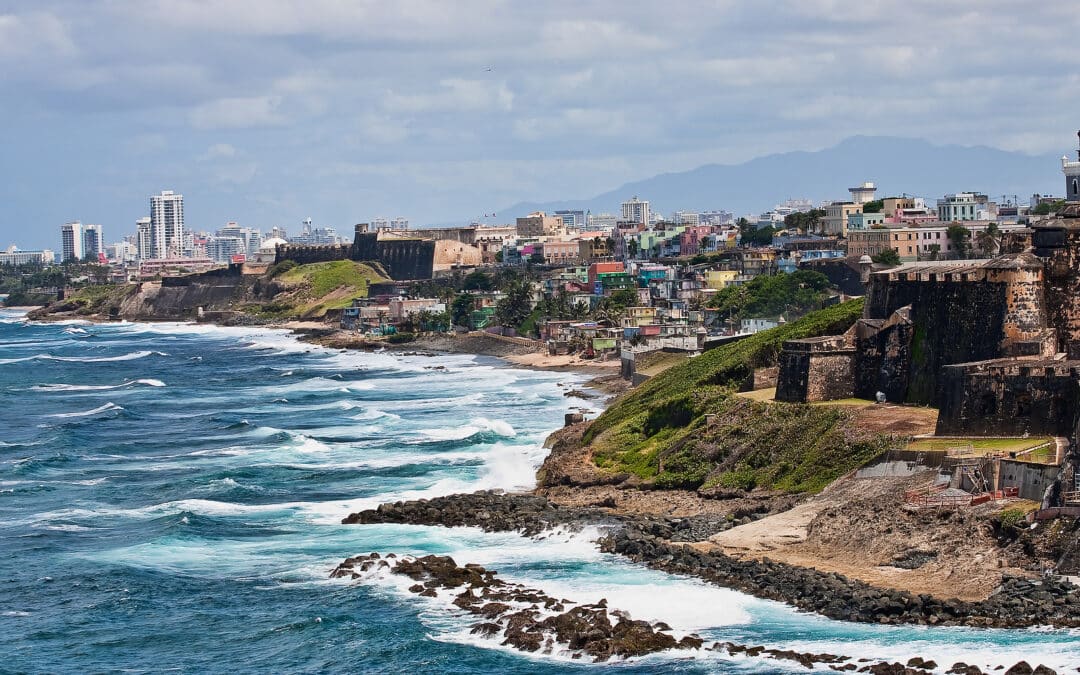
863 193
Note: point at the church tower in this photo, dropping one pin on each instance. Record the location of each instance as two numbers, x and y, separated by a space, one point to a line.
1072 176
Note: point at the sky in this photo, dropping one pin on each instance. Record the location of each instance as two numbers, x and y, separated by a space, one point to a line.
266 112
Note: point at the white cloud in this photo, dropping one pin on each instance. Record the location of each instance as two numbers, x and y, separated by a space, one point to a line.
238 113
218 151
454 95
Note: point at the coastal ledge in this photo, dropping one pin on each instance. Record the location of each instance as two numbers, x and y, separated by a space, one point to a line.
667 544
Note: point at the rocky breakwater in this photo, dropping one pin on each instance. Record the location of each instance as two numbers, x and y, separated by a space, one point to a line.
661 543
531 515
532 621
1019 602
525 618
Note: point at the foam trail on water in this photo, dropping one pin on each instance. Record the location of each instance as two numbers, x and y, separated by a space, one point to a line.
108 407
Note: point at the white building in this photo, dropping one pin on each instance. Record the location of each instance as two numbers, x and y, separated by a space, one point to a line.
959 206
144 239
122 251
686 218
222 249
1072 176
863 193
250 238
13 256
167 225
71 240
603 222
636 211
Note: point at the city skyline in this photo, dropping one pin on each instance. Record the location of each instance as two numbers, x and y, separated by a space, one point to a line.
267 115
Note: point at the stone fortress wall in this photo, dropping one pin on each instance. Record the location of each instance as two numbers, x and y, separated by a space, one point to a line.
988 342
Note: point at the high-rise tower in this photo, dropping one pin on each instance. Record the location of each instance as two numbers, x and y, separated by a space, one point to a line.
71 237
167 225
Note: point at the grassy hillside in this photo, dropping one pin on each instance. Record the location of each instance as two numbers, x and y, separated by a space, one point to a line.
309 291
659 432
89 300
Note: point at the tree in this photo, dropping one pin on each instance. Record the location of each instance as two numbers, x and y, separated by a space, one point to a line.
477 281
888 256
874 206
804 221
960 238
1046 208
771 295
631 248
515 306
461 309
989 240
935 251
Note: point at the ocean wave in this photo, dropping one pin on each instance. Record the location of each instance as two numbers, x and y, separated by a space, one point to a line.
108 407
475 426
84 359
97 387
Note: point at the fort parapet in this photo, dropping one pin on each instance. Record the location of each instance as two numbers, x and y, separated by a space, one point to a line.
994 344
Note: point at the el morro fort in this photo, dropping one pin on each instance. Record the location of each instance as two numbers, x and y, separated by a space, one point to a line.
403 255
994 344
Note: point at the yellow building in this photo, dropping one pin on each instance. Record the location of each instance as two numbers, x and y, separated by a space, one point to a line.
719 279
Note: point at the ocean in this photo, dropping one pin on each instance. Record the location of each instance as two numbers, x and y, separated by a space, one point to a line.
170 500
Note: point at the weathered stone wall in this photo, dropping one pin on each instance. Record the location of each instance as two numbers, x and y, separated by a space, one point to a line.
816 369
883 357
954 322
844 273
1058 243
305 254
1009 397
401 258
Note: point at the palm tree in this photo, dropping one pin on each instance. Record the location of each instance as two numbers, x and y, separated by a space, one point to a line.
989 240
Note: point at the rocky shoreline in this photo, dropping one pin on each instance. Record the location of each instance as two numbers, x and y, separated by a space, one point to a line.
667 544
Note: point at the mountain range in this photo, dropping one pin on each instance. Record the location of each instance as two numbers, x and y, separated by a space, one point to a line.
896 165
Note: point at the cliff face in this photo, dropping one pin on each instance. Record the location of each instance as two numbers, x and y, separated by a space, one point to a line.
304 291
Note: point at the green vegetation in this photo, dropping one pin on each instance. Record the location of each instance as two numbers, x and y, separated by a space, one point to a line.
515 307
1046 208
401 338
281 268
874 206
768 296
887 256
727 366
104 299
804 221
311 290
659 431
960 238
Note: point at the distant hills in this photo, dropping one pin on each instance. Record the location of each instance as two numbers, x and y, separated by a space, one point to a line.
896 165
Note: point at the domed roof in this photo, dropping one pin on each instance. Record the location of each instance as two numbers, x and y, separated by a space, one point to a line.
866 260
270 245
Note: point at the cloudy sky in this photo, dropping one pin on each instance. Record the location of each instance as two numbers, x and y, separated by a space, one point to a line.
269 111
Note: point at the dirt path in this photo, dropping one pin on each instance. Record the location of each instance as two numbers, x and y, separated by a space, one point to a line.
859 528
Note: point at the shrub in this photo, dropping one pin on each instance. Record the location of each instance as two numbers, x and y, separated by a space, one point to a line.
401 338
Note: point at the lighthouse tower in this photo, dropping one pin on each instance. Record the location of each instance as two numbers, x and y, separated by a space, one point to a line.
1072 176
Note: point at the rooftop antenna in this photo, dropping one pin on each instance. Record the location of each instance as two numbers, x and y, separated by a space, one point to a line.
1078 147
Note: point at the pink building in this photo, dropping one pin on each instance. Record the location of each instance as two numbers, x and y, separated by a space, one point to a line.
691 239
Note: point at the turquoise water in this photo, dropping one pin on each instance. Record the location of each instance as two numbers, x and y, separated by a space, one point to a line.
170 498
